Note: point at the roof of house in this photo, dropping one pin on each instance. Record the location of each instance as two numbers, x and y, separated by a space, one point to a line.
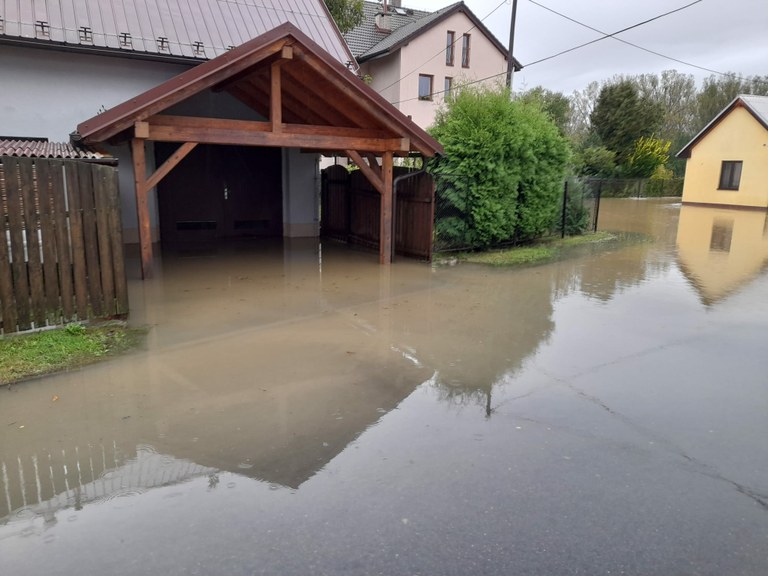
26 148
165 29
755 105
367 41
317 90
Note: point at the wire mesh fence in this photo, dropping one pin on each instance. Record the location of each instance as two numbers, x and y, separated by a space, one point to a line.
457 211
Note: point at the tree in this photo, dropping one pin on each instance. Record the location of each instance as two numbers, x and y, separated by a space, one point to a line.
718 91
502 171
582 104
346 13
648 155
621 116
555 104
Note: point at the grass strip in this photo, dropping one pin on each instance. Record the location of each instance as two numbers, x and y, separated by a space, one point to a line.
24 356
544 251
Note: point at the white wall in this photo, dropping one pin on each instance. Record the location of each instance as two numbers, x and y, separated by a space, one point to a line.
46 94
426 55
301 194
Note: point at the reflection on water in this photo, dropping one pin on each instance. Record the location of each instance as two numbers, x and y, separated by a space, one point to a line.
721 249
300 409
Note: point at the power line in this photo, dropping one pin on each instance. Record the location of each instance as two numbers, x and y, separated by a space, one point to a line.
603 37
442 51
606 35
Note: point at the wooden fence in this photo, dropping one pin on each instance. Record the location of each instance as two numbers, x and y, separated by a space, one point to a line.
351 207
61 246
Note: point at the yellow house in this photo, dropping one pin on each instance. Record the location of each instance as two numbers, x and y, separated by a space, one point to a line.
728 160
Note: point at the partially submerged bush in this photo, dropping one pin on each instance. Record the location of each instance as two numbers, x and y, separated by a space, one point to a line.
501 177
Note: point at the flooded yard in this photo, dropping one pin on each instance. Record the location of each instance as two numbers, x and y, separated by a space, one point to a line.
298 409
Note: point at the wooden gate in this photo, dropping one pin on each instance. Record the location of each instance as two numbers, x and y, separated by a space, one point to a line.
61 246
350 210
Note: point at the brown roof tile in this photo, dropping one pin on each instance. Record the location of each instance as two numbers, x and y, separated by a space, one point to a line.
44 149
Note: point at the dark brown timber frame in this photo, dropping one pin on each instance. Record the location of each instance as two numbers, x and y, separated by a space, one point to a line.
308 99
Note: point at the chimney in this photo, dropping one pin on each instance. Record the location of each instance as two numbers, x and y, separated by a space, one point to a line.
383 20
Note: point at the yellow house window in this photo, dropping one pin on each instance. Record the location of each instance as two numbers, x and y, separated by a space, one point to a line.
730 175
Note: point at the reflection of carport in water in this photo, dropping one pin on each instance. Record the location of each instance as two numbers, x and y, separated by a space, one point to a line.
309 100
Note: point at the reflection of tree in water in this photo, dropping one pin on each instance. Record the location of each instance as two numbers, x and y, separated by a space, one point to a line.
483 326
478 328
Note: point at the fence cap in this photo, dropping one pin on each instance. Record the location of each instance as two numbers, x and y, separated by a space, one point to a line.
40 148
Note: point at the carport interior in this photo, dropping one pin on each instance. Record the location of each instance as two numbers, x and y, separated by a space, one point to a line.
309 101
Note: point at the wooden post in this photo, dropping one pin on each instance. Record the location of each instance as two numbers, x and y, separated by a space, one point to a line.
275 101
142 205
385 230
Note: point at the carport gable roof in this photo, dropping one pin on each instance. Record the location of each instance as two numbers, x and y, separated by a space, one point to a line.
315 90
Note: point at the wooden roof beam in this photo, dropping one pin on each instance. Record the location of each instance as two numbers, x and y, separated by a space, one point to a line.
249 133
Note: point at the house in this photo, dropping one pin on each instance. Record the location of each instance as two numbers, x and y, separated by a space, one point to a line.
414 58
153 83
728 160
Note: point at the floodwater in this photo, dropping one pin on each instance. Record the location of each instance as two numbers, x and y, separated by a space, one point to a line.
298 409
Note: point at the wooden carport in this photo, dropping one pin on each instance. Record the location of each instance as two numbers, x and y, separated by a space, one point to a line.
307 98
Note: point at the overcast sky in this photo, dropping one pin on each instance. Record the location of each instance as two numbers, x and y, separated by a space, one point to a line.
723 35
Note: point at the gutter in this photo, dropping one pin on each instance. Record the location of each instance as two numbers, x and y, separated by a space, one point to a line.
99 51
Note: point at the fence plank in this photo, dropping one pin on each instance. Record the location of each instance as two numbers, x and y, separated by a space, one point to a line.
85 177
16 225
46 172
64 260
30 204
7 300
112 193
61 254
79 269
101 203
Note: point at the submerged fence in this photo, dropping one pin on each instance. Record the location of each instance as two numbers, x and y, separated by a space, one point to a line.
61 247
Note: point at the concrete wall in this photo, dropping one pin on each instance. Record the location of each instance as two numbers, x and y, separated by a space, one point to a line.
485 61
738 136
385 74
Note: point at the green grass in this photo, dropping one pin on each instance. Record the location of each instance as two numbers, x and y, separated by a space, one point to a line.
26 355
541 252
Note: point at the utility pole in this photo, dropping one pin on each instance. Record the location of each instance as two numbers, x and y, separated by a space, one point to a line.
511 59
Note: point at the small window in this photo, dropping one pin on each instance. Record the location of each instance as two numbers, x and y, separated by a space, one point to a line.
730 175
465 51
425 87
447 87
450 39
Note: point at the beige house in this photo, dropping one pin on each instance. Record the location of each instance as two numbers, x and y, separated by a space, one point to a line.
414 58
728 160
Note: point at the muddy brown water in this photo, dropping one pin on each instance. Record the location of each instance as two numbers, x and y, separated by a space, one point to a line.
298 409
